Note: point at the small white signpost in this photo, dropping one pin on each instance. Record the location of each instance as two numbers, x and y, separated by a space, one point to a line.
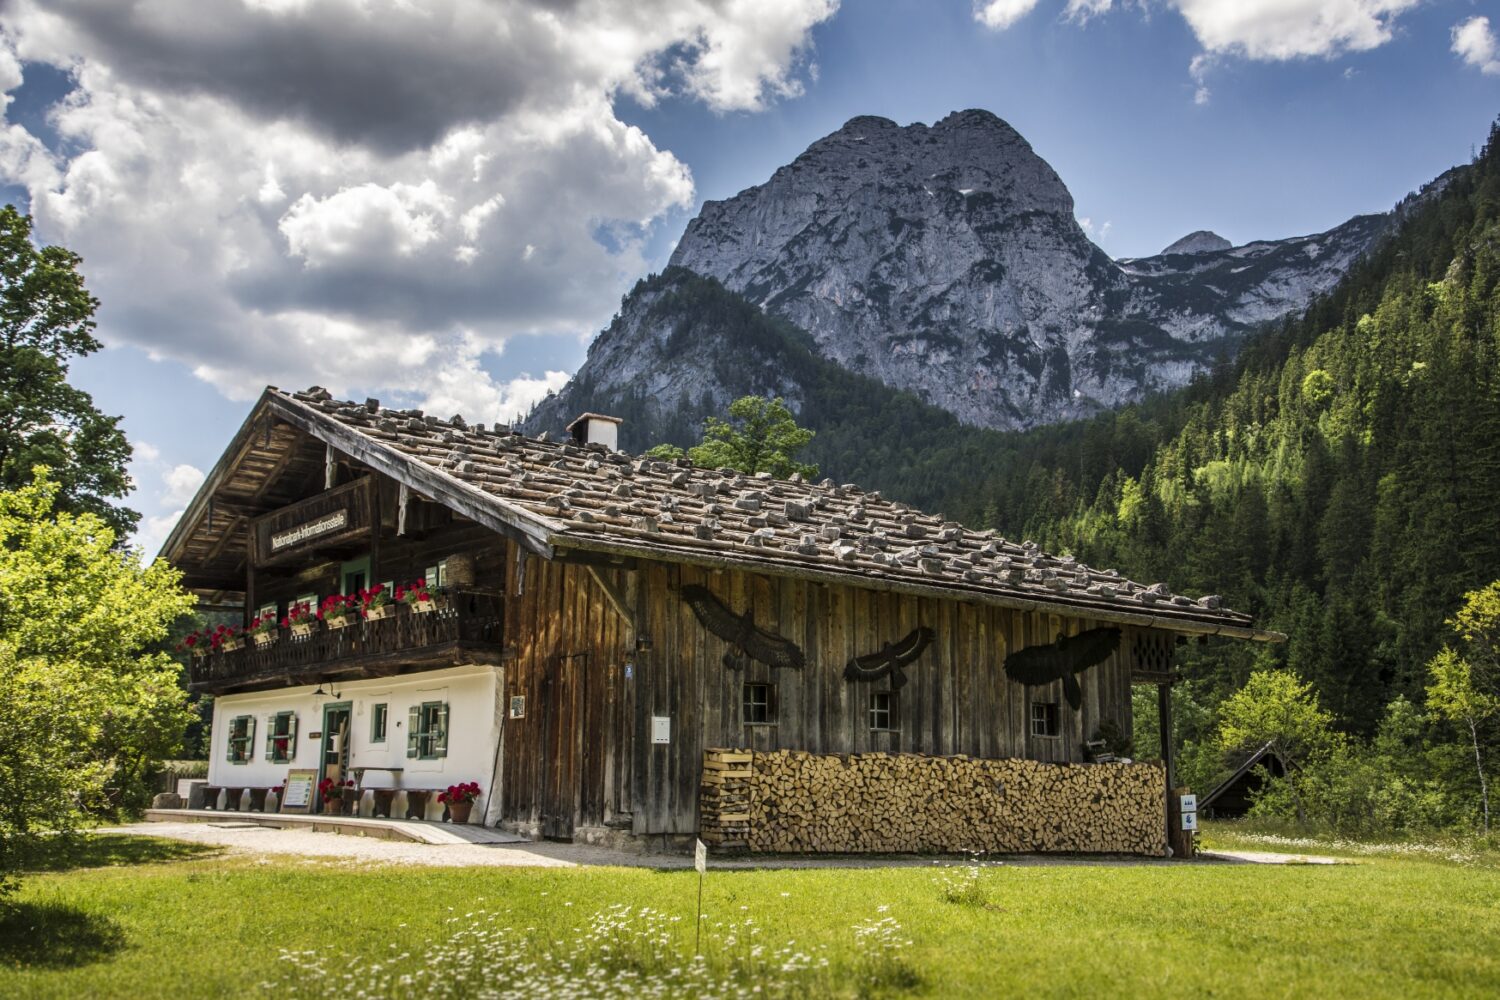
700 862
1189 808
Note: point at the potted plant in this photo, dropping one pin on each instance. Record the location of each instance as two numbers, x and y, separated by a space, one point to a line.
460 800
375 602
333 800
338 610
300 619
195 643
262 630
224 638
416 596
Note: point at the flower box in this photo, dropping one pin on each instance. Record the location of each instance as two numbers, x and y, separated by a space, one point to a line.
199 651
230 645
263 639
423 607
302 630
379 611
339 621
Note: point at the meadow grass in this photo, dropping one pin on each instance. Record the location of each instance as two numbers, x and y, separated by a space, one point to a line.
147 918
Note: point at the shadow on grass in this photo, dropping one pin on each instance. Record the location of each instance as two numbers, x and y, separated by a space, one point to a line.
60 854
55 936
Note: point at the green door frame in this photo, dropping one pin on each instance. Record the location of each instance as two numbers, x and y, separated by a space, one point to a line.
328 709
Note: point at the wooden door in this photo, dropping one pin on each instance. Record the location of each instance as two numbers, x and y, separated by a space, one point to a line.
562 743
334 762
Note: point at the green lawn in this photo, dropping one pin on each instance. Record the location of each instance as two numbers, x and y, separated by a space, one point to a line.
142 918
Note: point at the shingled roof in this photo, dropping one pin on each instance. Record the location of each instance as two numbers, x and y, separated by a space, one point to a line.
562 495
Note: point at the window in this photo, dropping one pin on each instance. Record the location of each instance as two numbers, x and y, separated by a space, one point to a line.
241 738
883 710
266 610
1044 718
378 716
311 600
760 705
436 576
355 575
281 738
427 730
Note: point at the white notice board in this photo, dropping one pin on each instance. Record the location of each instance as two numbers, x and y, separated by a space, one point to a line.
299 791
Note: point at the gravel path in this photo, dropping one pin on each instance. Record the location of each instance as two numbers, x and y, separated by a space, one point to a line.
342 849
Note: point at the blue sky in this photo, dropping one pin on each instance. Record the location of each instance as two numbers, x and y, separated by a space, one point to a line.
447 232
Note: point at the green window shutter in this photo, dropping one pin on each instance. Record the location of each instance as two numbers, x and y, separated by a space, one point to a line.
291 735
440 738
413 727
249 737
229 740
271 740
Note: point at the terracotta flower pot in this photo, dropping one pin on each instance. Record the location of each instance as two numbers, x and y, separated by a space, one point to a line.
458 812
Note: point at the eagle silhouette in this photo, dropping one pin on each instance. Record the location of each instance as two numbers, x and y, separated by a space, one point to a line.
1063 660
746 640
890 659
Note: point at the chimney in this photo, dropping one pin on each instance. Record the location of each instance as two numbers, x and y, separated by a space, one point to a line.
596 428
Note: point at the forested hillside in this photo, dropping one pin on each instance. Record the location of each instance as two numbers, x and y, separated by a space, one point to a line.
1341 480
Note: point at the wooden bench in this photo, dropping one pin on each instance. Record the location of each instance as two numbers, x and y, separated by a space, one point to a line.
210 797
232 796
258 799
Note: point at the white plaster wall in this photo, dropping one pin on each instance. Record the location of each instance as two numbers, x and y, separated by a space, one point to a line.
473 733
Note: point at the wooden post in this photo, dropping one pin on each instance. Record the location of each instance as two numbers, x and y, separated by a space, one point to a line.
1164 712
1180 840
330 467
403 498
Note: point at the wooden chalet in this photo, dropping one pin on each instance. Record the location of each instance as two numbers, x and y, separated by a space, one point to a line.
613 636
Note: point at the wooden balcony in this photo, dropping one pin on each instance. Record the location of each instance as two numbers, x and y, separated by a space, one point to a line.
467 628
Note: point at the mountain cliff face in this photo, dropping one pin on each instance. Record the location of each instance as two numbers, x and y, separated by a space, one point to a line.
946 260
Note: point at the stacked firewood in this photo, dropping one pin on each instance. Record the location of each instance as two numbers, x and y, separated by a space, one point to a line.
790 801
724 799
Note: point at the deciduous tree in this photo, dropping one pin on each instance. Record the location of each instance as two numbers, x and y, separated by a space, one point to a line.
85 704
46 320
761 435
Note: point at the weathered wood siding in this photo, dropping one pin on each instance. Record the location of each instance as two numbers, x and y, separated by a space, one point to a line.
957 699
566 762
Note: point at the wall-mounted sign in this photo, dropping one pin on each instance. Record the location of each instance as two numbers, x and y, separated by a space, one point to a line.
327 524
1190 821
518 707
661 729
1189 803
331 518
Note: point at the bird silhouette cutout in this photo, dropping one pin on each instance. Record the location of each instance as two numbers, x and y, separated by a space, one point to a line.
1063 660
746 639
890 659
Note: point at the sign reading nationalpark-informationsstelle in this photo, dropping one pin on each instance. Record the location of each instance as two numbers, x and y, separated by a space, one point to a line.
312 529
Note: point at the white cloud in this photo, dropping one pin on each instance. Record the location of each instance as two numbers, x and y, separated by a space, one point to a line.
182 482
1001 14
1096 233
153 531
1474 42
371 195
1290 29
1082 10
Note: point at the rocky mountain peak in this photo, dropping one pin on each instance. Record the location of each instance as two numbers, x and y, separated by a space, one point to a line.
1202 241
945 259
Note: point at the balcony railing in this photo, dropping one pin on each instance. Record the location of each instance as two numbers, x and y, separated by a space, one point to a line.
465 627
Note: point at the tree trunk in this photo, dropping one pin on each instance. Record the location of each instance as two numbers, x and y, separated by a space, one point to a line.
1484 788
